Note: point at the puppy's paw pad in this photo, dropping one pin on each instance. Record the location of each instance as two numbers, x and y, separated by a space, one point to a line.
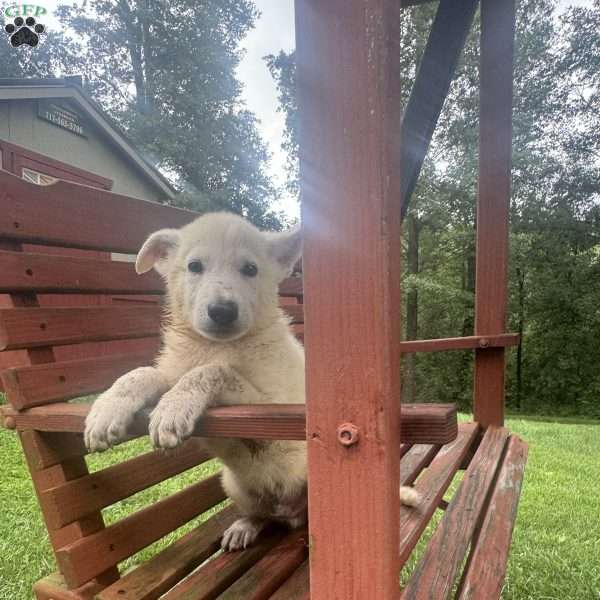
241 534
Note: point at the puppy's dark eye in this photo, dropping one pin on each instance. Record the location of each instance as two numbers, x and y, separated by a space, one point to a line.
195 267
249 270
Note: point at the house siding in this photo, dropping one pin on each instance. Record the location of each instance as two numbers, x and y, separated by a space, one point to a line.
20 124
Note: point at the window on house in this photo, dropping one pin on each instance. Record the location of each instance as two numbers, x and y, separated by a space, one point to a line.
37 178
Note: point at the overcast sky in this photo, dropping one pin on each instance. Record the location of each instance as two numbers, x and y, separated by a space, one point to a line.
274 31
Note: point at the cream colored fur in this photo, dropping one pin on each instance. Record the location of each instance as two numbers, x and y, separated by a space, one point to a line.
257 361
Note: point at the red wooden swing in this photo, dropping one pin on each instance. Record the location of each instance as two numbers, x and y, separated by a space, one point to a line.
359 538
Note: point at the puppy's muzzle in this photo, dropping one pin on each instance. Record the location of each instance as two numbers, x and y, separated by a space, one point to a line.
223 314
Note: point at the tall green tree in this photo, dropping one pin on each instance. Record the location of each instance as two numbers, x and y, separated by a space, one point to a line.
554 290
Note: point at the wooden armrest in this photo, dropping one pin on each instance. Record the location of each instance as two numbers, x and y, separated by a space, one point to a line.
421 423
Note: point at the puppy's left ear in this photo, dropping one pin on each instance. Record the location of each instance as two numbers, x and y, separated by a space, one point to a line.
158 251
286 249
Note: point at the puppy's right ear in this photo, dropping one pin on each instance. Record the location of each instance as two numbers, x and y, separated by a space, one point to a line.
158 251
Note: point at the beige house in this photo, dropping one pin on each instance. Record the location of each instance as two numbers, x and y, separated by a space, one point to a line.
51 129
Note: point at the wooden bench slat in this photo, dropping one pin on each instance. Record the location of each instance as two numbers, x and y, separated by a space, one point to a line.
295 312
85 558
432 485
414 461
292 286
296 587
160 573
213 578
262 580
72 215
420 423
77 498
47 383
435 575
31 327
49 274
485 571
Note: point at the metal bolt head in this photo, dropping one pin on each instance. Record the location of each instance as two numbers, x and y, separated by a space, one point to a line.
347 434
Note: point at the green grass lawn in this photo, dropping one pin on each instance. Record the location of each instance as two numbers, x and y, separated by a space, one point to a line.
556 545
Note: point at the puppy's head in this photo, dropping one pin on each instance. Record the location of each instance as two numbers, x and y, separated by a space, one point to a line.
222 273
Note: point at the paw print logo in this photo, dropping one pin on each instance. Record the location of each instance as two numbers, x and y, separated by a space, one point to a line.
24 31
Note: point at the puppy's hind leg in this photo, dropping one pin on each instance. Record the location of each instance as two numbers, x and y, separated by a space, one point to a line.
242 533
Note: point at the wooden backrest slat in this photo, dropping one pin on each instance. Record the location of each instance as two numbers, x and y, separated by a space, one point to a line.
64 470
48 274
295 312
30 327
47 383
51 274
72 215
292 286
84 559
75 499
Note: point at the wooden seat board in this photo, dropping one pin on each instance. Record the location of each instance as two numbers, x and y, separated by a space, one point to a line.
214 577
269 573
160 573
415 460
75 499
85 558
420 423
432 485
484 574
296 587
436 572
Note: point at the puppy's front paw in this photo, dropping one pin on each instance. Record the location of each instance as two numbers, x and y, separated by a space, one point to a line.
106 424
241 534
173 421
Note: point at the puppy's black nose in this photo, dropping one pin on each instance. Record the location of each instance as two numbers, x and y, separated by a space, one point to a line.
223 313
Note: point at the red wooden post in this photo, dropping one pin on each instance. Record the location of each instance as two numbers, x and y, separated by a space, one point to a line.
495 139
349 84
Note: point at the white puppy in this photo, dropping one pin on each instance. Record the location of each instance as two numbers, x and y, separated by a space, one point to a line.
225 341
